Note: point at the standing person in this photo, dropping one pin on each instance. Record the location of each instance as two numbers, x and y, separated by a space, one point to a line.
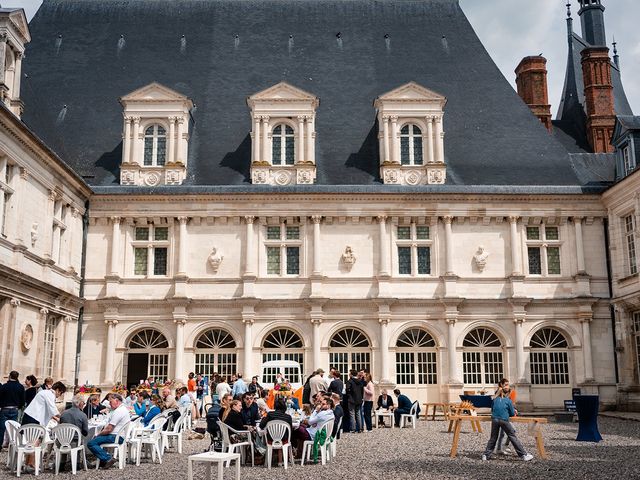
47 384
11 402
254 387
337 385
200 386
369 390
43 407
501 411
317 384
31 384
306 390
191 383
355 394
118 421
239 387
222 388
511 394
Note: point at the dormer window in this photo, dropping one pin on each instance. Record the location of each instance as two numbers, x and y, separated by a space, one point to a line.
155 137
14 35
283 136
628 160
410 120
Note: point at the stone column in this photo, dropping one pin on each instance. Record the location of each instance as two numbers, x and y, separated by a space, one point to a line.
577 221
430 140
451 340
3 59
516 267
55 254
384 247
395 149
19 192
180 319
310 141
265 138
317 266
8 347
385 139
316 320
115 246
182 244
4 163
585 320
48 225
111 319
249 263
16 77
255 144
300 150
383 320
448 240
126 140
171 158
439 150
520 355
248 318
134 142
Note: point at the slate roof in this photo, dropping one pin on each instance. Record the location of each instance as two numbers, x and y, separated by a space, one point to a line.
85 54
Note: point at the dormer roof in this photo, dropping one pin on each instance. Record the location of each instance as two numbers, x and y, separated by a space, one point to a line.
155 93
283 91
411 93
18 19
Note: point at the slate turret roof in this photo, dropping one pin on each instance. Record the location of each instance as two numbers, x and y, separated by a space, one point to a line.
85 54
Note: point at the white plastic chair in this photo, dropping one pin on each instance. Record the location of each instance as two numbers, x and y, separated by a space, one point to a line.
334 440
278 430
307 446
151 436
119 449
28 442
411 417
63 436
175 432
229 447
12 427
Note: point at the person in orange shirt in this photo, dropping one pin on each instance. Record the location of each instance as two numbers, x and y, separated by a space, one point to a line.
504 450
191 383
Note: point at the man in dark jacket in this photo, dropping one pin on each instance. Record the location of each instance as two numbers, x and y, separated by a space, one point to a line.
279 413
11 401
338 412
355 392
337 385
250 411
404 406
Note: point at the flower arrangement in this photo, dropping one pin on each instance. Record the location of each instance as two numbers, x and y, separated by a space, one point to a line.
285 386
119 388
89 389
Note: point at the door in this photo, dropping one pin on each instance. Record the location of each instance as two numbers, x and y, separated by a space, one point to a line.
137 368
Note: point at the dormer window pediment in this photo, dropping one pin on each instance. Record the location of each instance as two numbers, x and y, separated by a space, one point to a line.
155 136
410 120
283 135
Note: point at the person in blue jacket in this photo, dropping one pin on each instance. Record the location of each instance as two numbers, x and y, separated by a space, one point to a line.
143 404
501 410
404 406
154 411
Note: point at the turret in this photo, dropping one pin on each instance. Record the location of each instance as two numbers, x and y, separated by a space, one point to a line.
592 19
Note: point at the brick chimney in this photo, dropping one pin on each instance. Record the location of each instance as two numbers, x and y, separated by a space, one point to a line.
531 80
598 94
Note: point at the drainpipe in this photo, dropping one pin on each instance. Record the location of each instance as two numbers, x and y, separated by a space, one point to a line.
83 264
611 309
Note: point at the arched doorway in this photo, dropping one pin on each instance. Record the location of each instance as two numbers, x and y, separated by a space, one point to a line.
482 359
148 356
216 352
549 367
349 349
416 358
282 344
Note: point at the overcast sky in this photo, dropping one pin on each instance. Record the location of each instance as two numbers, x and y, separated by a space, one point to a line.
513 29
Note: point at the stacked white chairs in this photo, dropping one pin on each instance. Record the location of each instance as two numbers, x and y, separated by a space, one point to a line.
151 437
119 449
63 437
334 440
411 417
278 430
28 442
307 446
12 451
228 447
175 432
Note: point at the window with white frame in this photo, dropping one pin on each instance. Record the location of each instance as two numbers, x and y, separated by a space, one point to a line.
283 245
628 161
482 358
151 250
6 172
636 337
543 250
153 343
411 145
50 327
59 229
416 356
349 349
282 145
414 249
216 353
549 358
630 243
282 344
155 145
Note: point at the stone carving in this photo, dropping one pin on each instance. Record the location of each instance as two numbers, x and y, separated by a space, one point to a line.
304 176
481 258
152 179
412 177
259 176
34 234
283 178
436 176
215 259
127 178
173 177
26 337
391 176
348 258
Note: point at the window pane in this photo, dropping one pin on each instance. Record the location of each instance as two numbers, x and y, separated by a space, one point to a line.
288 130
405 368
273 260
424 260
492 367
404 150
277 130
471 368
551 233
417 149
553 260
142 233
148 150
533 233
289 151
427 369
636 322
273 233
293 233
161 233
404 233
276 158
162 151
538 365
159 261
404 260
293 260
405 130
534 261
140 265
422 233
149 131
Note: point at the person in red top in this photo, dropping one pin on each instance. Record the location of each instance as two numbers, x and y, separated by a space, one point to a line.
504 450
191 383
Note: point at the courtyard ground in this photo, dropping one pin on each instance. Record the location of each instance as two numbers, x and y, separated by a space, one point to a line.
423 453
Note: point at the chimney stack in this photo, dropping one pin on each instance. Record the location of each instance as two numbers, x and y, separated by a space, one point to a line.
598 93
531 80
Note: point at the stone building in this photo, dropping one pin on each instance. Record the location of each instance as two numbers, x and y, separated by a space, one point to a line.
354 184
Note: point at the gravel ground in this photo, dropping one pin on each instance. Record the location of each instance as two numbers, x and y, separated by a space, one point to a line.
424 453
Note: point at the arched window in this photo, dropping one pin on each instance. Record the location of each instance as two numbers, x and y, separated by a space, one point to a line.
410 145
549 358
155 145
216 353
349 349
282 344
283 141
482 358
147 358
416 358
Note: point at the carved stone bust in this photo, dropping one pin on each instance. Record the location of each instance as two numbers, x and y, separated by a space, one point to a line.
481 258
215 259
26 337
348 258
34 234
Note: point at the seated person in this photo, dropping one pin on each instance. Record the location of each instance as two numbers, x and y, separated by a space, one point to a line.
93 408
404 406
263 408
385 402
250 411
75 415
185 399
278 414
131 398
322 414
338 413
156 407
232 417
142 404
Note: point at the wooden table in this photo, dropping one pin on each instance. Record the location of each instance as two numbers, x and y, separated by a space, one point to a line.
214 457
456 410
534 422
443 406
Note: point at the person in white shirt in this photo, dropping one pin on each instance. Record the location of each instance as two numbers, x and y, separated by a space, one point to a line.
222 389
185 399
322 414
43 406
239 387
116 428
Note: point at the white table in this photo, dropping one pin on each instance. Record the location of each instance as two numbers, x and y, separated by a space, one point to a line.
214 457
384 414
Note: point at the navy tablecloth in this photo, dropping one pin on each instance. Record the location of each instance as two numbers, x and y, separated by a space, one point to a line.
478 401
587 408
